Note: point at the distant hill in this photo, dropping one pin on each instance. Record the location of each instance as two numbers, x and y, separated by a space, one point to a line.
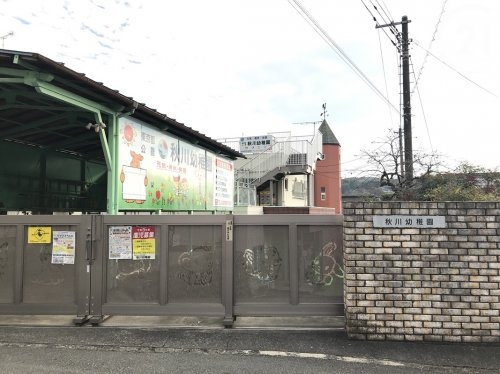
363 188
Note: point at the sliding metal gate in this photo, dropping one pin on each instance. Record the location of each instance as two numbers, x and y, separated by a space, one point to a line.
204 265
45 265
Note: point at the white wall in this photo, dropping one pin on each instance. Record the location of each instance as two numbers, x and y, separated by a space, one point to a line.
297 191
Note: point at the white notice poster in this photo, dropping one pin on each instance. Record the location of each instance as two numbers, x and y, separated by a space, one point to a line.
63 247
120 243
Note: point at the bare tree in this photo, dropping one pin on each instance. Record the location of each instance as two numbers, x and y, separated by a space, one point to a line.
386 161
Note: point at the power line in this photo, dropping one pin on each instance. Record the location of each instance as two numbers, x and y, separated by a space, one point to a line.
336 48
385 76
403 49
433 38
455 70
381 7
422 107
388 12
392 28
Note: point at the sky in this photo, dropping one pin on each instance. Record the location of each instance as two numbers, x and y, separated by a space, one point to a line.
232 68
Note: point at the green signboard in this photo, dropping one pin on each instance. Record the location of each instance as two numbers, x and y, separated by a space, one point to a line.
162 172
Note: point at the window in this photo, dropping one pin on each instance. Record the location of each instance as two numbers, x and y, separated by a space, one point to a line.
323 193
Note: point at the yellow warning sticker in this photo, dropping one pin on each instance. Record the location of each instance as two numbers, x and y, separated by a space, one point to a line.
39 234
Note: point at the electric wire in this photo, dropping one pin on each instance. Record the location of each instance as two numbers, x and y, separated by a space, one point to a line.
387 21
386 15
361 157
422 108
455 70
392 27
378 24
433 38
388 11
385 76
396 33
312 22
336 48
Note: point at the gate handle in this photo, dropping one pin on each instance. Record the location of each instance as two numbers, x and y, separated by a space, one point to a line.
88 249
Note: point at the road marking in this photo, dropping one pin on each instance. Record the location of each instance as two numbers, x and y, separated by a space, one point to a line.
322 356
303 355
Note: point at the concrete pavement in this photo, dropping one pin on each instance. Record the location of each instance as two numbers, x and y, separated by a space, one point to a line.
321 338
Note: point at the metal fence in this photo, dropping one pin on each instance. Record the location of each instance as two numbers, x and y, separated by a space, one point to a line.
201 265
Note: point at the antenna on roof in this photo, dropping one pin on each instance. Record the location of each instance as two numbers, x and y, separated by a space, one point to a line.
308 123
5 37
323 114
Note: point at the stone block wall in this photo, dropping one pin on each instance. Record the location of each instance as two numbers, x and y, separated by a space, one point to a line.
414 284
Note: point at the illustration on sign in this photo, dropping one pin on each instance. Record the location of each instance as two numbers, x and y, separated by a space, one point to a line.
39 234
134 180
159 171
63 247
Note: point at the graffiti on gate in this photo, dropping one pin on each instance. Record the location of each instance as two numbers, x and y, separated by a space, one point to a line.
324 268
262 262
197 266
135 268
49 274
4 258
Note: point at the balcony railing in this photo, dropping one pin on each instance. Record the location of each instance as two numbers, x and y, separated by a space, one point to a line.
300 153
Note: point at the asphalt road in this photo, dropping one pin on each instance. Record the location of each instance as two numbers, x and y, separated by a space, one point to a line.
68 360
158 350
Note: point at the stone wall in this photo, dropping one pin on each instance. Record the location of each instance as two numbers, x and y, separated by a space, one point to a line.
414 283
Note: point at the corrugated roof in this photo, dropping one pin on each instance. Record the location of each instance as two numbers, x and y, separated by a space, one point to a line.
22 105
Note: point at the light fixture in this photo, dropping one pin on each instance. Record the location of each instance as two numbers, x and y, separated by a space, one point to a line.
96 126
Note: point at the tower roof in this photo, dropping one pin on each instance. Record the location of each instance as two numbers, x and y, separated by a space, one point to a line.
328 136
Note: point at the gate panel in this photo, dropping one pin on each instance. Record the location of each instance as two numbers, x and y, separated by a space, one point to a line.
43 280
194 264
261 264
321 270
8 236
43 265
288 265
210 265
134 280
183 277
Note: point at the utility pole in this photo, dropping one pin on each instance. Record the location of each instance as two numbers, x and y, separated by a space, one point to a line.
405 61
405 56
401 155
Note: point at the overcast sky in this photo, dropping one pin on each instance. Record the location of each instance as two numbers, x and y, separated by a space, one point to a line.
228 68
